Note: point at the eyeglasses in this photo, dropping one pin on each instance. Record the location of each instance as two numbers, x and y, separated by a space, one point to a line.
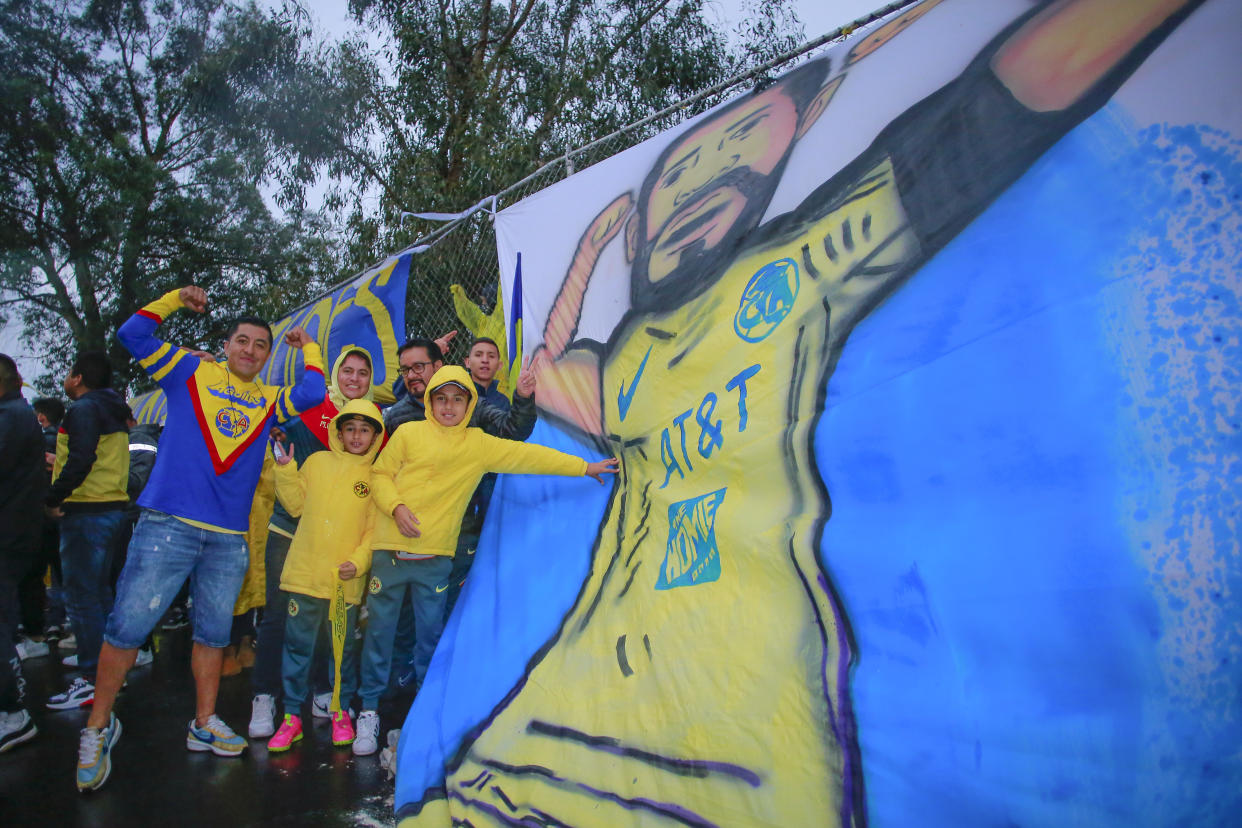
413 367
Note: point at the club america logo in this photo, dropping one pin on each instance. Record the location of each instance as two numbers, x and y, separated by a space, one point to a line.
361 489
231 422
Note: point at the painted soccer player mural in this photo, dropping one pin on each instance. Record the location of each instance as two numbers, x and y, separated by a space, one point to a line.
702 675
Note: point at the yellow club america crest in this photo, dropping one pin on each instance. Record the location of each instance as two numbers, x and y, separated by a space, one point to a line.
374 586
293 608
361 488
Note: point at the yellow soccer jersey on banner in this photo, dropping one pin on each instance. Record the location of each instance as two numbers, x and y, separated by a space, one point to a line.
695 568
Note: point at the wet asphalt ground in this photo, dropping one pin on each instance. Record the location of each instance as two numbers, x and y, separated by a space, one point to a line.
156 781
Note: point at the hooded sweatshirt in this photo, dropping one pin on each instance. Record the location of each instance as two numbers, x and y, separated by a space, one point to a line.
308 432
331 493
433 469
92 454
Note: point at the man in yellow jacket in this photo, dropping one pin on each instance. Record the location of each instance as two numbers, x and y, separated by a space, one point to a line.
432 467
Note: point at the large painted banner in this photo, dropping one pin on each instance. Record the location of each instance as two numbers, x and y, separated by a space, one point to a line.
922 363
367 312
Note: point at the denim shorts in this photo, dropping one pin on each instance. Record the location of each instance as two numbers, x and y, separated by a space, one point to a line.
163 553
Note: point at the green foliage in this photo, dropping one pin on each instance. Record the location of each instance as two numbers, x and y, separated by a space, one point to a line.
484 92
137 141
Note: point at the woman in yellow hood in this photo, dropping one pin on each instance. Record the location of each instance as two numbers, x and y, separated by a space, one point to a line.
331 494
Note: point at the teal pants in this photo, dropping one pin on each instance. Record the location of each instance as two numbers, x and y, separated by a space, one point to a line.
304 616
426 582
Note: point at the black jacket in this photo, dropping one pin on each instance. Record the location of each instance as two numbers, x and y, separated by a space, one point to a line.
23 475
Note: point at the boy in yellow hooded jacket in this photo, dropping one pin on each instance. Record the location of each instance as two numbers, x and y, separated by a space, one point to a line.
432 467
331 549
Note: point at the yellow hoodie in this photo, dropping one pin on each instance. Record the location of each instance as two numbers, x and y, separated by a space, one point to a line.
433 470
332 495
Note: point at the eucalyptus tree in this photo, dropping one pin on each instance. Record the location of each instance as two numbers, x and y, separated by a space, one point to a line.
142 143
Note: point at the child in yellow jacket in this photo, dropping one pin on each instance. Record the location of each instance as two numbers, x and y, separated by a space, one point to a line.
330 554
431 468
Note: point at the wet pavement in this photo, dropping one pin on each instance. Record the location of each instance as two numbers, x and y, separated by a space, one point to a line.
156 781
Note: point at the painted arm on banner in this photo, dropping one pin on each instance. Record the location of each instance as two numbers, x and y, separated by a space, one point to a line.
1063 51
164 362
569 377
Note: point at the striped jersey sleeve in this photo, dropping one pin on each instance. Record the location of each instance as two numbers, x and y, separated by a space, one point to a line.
164 362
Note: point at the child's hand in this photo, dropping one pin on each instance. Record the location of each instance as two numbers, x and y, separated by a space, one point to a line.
602 467
283 455
347 570
406 522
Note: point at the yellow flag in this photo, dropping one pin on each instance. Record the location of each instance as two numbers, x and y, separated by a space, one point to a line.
337 613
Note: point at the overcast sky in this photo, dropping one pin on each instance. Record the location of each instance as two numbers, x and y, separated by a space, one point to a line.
819 16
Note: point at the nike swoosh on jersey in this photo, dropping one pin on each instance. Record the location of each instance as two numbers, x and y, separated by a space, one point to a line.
624 397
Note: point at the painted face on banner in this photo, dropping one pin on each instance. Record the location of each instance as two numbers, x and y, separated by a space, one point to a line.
712 187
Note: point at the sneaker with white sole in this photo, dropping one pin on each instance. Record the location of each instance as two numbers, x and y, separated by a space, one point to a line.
319 705
144 657
95 753
262 717
15 728
366 735
81 693
70 661
69 642
29 648
214 736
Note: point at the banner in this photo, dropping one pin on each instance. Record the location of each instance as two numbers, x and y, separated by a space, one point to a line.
921 363
368 312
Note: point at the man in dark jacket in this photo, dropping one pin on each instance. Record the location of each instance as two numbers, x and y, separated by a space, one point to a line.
23 483
88 494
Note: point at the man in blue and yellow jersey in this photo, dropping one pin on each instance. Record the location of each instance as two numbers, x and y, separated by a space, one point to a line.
195 510
88 495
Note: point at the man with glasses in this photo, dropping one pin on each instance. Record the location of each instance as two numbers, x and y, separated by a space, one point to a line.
419 358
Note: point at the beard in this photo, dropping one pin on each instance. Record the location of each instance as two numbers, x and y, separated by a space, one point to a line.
698 266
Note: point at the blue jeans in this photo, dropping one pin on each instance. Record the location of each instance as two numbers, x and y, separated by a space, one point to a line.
86 540
270 635
164 552
427 583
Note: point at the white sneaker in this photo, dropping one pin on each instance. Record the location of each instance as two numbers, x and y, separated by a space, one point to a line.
70 661
366 740
262 716
388 756
144 658
15 728
28 648
69 642
319 705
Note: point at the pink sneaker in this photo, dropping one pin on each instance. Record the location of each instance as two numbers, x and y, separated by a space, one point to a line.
290 731
342 729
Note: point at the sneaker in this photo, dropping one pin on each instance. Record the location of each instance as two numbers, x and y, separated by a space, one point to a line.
95 753
177 618
15 728
70 660
342 729
53 631
366 740
29 648
290 732
69 642
320 704
262 716
388 756
80 694
145 657
216 736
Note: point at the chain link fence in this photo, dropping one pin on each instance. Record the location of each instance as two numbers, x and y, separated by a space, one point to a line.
454 280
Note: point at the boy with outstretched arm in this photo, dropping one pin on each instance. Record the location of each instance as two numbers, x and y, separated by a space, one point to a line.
432 466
